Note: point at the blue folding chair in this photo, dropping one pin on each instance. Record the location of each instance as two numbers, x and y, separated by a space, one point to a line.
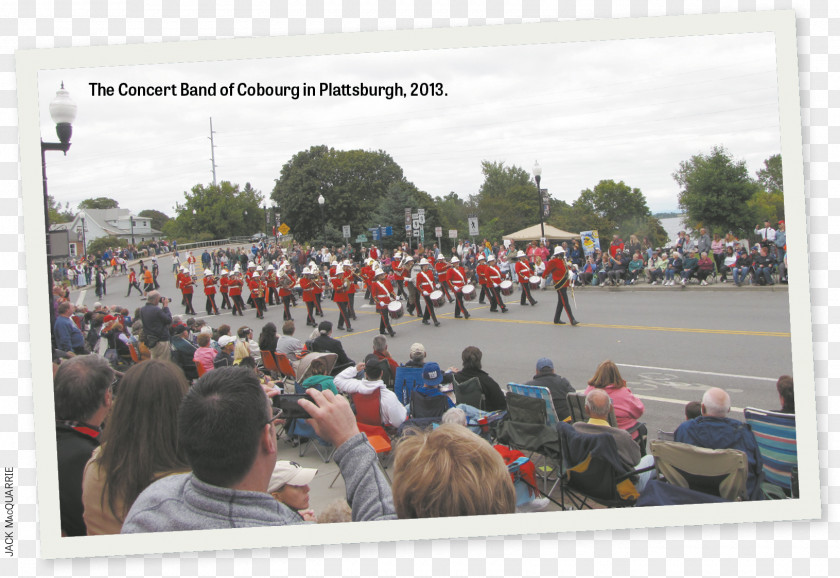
405 381
776 436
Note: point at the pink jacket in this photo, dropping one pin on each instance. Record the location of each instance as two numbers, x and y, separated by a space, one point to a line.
628 408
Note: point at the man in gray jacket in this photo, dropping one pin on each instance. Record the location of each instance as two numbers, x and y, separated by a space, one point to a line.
226 426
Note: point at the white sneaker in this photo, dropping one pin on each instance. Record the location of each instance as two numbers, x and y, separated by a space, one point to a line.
535 505
682 281
703 283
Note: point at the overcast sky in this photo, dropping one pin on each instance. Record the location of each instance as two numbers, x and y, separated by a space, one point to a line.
626 110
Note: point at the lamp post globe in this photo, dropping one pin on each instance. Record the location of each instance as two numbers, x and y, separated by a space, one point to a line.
321 201
63 113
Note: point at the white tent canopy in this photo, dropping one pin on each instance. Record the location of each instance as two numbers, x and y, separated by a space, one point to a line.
533 234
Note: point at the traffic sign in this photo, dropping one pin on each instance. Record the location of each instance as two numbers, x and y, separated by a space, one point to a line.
345 229
361 238
422 218
438 231
453 233
388 231
284 229
416 233
473 223
415 224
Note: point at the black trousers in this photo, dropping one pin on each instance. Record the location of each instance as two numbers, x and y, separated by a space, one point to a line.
526 294
135 285
430 310
310 313
562 305
343 315
238 304
287 313
225 301
459 305
210 306
188 302
384 321
495 299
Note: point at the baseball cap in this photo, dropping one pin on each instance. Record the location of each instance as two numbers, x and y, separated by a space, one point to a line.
432 375
416 348
544 362
226 340
289 473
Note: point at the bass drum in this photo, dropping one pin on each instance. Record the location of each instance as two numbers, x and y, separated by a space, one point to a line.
468 292
395 309
437 298
506 287
535 281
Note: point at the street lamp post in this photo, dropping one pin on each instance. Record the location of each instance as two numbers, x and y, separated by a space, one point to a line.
132 230
537 170
63 113
321 201
265 215
84 238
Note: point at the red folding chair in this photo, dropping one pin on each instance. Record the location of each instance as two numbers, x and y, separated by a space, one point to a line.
269 362
133 350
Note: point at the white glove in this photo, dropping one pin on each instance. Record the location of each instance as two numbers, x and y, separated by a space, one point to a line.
496 285
425 293
382 304
437 285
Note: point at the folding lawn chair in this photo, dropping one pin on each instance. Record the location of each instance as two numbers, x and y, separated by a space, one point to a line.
577 407
776 436
720 473
405 381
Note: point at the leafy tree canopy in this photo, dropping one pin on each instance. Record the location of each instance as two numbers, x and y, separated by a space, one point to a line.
770 177
57 213
353 183
99 203
507 200
715 191
157 218
217 212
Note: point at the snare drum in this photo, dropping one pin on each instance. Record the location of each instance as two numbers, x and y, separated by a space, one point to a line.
395 309
506 287
437 298
535 281
468 292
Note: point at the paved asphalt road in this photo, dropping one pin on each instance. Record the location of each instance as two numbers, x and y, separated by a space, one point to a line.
670 343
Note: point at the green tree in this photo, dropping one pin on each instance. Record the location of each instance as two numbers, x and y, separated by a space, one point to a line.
98 246
216 212
615 202
57 213
507 200
353 183
391 212
454 213
157 218
770 177
99 203
715 191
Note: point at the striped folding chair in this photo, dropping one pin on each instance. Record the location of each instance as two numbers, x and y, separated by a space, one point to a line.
776 436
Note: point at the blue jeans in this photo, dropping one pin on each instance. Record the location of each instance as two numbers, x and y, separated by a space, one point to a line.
739 274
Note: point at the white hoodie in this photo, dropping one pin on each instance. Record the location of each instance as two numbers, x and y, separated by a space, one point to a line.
393 412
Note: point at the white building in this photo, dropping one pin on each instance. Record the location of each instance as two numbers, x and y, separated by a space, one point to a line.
90 224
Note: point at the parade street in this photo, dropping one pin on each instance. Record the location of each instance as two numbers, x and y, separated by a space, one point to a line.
670 343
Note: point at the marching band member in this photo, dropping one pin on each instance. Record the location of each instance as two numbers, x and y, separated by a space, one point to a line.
257 294
285 284
332 274
224 281
180 279
271 282
494 278
560 277
383 292
456 278
341 299
210 292
397 267
350 282
187 288
481 278
523 276
367 276
249 273
235 284
426 284
410 273
319 287
308 284
441 267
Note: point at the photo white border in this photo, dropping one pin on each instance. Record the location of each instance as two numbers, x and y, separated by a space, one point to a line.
781 24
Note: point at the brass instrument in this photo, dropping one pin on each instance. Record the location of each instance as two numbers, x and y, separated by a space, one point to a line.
285 282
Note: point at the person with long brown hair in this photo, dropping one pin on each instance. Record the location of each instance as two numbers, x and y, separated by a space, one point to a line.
139 444
628 408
